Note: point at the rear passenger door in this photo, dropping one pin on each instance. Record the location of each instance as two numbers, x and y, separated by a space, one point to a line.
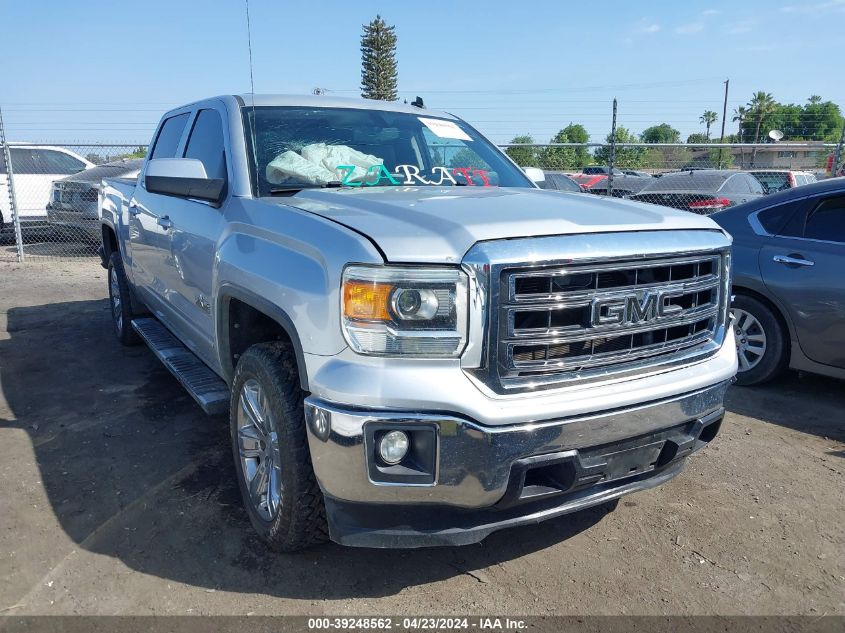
195 226
149 236
803 266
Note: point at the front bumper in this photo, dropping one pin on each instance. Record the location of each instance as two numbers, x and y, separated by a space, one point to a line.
486 478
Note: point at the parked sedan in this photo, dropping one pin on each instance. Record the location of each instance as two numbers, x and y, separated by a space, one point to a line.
702 191
74 199
788 263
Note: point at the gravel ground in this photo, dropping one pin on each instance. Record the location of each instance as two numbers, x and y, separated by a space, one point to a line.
117 496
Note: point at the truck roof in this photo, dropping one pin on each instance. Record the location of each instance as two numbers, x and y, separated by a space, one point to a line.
324 101
315 101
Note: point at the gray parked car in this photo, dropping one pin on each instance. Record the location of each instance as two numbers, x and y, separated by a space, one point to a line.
788 258
74 199
701 191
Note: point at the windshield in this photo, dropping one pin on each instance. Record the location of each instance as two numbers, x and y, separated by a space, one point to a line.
299 147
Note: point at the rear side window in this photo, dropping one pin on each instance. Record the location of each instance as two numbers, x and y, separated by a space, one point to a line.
34 160
774 219
24 161
169 135
755 185
735 184
206 143
58 162
827 221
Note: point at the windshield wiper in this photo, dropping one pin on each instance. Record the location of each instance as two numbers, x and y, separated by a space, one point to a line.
332 184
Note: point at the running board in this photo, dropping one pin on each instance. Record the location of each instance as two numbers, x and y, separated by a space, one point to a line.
206 387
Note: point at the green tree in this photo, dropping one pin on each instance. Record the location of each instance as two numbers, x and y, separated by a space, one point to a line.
820 121
708 118
465 157
626 157
698 139
557 158
523 156
378 61
663 133
814 99
761 105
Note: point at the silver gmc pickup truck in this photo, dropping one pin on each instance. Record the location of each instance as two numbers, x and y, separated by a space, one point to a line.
415 344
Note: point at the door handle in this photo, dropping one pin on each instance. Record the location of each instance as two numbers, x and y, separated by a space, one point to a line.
164 222
793 261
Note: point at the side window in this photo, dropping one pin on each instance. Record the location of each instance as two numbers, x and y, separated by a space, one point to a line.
733 185
206 143
827 221
754 184
24 161
169 135
54 162
774 219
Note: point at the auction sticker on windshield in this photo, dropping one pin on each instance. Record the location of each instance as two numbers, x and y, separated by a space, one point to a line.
445 129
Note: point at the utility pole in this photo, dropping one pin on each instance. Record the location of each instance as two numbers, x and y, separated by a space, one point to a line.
612 151
724 116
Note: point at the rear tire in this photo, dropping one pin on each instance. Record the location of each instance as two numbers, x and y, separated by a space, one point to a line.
270 447
120 301
761 341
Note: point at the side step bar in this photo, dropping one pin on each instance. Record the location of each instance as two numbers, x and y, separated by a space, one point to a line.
206 387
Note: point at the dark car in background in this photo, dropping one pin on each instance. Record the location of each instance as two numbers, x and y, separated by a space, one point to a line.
74 199
623 186
789 281
556 181
702 191
600 169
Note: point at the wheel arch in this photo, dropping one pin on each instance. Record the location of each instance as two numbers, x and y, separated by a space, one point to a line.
267 320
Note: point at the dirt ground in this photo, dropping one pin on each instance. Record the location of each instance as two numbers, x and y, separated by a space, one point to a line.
117 496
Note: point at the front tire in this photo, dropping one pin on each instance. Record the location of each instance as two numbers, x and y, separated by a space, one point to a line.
120 301
269 444
761 343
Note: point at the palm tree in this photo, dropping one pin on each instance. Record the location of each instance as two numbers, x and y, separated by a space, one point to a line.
709 118
815 99
740 114
761 105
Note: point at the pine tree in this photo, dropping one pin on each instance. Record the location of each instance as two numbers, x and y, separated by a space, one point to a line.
378 61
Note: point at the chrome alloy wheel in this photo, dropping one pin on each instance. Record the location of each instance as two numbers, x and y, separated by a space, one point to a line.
116 305
750 339
258 449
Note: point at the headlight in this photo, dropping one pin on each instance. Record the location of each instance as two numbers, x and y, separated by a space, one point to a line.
393 311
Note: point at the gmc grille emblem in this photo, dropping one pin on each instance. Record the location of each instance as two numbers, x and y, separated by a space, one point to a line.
638 307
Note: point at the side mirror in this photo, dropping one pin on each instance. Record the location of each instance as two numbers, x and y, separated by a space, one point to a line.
535 174
184 177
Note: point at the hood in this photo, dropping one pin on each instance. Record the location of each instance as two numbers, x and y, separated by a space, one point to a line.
434 224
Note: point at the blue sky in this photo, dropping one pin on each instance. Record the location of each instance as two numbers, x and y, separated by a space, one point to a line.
104 71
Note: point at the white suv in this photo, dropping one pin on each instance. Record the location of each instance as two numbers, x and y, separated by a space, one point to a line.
34 167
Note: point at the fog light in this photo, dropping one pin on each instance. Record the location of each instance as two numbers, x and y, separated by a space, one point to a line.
319 420
393 447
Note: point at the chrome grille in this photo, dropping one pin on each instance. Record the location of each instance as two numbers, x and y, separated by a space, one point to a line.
588 317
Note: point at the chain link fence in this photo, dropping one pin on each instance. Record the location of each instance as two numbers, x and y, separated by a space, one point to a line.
49 196
49 193
701 178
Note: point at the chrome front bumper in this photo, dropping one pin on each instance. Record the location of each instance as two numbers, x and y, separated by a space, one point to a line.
482 468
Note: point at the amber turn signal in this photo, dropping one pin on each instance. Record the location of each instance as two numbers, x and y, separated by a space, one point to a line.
366 300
